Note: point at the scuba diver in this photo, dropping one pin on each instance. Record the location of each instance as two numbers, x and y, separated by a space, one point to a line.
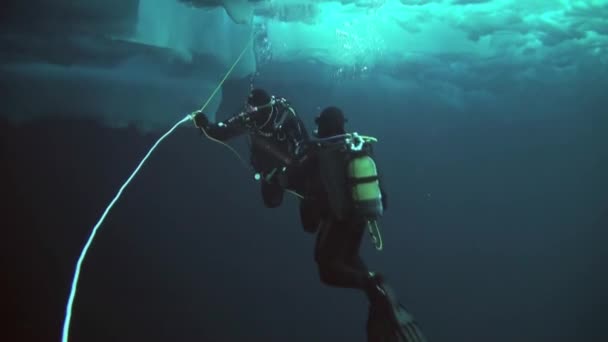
344 197
276 134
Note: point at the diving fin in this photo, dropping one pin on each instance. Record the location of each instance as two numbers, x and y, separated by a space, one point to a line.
388 321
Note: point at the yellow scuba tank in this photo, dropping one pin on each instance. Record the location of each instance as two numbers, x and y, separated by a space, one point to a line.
350 176
364 186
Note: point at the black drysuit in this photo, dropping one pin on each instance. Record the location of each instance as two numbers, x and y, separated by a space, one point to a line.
338 240
275 140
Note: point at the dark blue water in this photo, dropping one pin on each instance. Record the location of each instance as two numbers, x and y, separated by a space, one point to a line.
496 229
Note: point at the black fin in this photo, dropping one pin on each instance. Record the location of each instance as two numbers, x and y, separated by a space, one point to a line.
389 321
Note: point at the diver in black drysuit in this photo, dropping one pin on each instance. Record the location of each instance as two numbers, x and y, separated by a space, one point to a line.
276 134
338 243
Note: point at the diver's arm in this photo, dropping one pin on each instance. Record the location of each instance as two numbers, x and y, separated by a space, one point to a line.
224 130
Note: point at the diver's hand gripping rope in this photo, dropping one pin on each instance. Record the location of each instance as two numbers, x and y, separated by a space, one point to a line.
193 114
238 155
74 286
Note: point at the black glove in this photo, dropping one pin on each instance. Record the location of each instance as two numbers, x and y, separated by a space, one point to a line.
201 120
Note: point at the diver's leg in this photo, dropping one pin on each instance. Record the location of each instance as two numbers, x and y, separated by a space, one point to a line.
310 215
337 256
354 261
373 280
340 265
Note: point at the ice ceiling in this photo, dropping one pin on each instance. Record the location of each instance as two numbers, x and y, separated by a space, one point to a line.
150 61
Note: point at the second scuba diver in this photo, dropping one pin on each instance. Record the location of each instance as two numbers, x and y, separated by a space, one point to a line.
344 197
